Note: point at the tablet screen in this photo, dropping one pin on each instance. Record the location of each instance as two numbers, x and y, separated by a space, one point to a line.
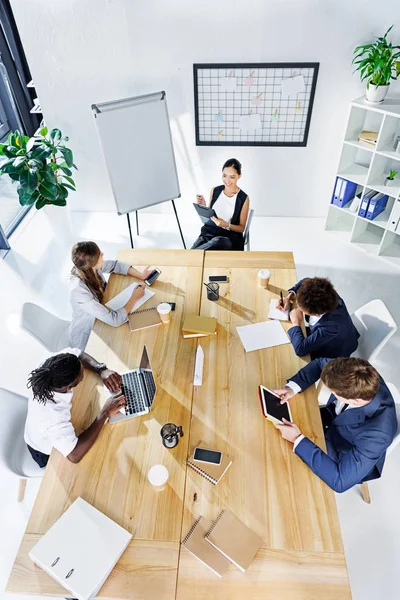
272 407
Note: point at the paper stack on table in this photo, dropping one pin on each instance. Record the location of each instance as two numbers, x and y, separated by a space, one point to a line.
277 313
121 299
262 335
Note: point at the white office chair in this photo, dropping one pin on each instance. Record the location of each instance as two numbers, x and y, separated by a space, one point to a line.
246 233
49 330
375 325
14 454
396 441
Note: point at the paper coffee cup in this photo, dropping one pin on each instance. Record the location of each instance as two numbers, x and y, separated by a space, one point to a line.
164 310
263 278
158 477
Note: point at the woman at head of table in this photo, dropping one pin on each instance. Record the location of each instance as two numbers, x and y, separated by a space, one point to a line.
87 291
231 205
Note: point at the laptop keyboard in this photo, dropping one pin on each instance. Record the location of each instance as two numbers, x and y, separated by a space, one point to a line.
133 394
150 385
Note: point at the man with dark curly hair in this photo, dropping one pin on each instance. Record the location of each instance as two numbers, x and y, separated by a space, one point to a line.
330 330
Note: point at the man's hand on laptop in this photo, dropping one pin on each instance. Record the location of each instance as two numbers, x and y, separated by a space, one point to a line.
111 379
113 405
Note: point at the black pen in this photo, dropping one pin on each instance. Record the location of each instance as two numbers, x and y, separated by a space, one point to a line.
281 297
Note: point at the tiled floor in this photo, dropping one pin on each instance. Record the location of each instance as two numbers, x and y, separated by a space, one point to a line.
37 270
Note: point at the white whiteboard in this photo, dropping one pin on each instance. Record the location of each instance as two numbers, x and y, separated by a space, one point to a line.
136 140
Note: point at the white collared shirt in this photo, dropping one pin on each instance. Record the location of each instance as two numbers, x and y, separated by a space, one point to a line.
313 319
49 425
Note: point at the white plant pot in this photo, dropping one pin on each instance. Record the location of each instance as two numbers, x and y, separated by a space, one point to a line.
392 182
59 219
375 94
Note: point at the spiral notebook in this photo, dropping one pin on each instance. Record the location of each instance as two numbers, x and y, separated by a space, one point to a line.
213 473
147 317
201 549
234 540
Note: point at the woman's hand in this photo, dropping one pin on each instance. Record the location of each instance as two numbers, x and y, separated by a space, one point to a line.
296 316
286 301
138 292
200 199
145 274
219 222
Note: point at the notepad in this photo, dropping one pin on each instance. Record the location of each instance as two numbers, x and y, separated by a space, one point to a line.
196 543
211 472
194 324
234 540
81 549
262 335
277 313
123 298
141 319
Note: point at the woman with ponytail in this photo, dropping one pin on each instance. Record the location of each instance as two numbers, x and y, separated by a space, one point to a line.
88 285
48 424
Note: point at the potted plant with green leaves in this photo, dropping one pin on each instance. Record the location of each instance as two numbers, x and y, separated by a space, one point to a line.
41 165
378 63
391 180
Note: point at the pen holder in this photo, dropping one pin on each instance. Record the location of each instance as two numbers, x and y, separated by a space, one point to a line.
212 291
170 434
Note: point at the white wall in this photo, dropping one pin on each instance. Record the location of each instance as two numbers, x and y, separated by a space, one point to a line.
86 51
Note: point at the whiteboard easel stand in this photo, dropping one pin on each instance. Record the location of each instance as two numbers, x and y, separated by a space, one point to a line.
147 144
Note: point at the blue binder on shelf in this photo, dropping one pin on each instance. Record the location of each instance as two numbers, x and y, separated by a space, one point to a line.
377 204
365 203
344 192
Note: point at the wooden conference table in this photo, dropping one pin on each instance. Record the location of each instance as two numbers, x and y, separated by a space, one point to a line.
267 487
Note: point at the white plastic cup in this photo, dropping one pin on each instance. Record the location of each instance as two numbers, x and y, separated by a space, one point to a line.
263 278
158 477
164 310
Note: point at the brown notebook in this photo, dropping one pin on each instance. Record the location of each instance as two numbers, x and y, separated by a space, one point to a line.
197 545
213 473
234 540
197 324
140 319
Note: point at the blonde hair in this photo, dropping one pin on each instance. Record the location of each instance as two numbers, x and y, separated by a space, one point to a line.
85 256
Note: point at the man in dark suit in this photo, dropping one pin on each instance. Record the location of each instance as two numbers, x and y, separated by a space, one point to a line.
359 421
330 330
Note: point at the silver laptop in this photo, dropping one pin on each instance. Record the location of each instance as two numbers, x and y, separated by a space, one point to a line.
139 389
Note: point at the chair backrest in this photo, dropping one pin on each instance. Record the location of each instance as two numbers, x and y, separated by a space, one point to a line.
375 325
13 411
396 397
246 233
49 330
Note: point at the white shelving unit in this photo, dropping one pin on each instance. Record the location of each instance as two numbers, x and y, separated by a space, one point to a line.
368 167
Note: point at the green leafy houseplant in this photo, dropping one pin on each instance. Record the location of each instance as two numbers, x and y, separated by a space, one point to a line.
392 174
41 165
378 62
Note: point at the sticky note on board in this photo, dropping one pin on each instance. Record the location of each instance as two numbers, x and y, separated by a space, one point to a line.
228 84
292 86
250 122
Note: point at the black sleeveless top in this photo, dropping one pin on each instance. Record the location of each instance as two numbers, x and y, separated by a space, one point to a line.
213 229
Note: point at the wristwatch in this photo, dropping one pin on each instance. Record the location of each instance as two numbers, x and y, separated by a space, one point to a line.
100 367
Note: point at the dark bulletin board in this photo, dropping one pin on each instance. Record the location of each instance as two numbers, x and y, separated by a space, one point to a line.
254 104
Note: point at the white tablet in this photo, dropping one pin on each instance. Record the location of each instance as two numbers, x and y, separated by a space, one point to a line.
272 407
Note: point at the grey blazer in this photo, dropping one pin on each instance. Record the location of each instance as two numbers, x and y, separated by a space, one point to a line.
86 307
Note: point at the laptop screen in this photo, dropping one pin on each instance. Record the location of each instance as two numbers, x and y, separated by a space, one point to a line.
148 378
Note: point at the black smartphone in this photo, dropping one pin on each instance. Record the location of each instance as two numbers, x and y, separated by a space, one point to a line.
207 456
152 277
219 278
172 305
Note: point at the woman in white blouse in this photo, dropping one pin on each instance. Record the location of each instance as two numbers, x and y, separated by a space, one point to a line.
88 285
231 205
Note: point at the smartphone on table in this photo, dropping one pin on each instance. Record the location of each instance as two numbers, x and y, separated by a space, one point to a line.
152 277
219 278
207 456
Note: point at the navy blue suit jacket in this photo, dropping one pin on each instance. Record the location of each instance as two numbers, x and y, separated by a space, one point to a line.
356 440
334 335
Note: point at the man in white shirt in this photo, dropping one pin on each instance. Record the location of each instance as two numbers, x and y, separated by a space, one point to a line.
48 424
360 421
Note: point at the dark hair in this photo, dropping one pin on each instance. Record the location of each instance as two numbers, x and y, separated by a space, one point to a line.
317 296
351 378
85 255
56 372
233 162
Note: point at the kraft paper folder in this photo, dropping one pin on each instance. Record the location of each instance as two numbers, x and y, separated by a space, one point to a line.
196 543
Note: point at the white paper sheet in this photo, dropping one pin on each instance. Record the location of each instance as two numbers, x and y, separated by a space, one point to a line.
276 313
121 299
198 367
262 335
292 86
228 84
250 122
